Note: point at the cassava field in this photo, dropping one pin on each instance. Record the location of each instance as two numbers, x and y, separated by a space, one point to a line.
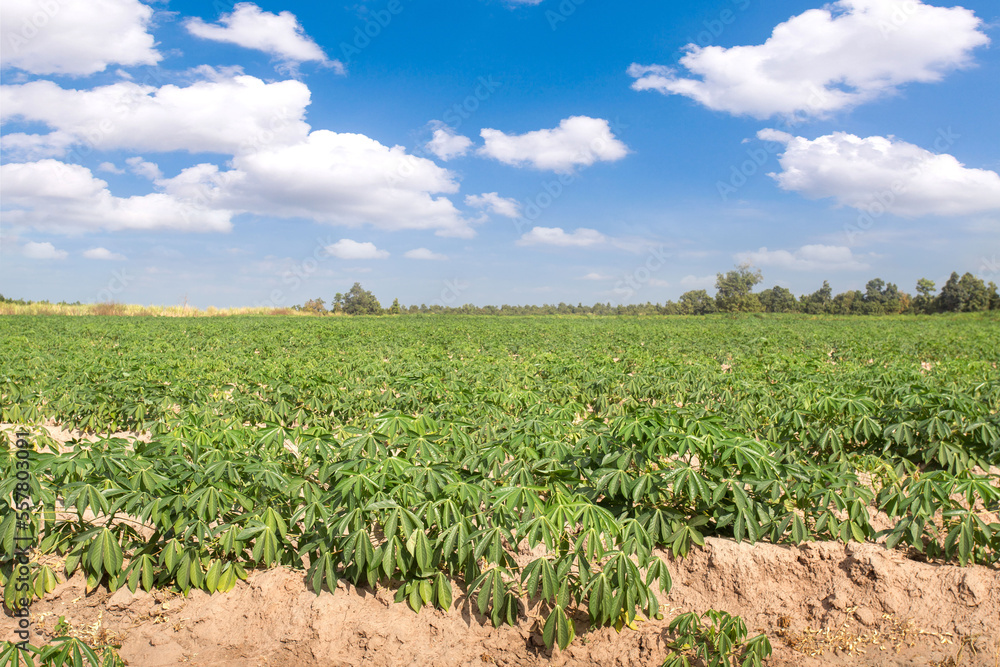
416 490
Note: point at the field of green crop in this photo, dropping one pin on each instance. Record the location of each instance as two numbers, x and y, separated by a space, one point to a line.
413 452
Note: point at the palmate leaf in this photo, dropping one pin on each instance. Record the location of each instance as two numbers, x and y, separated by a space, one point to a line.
420 548
442 596
601 600
323 569
104 555
540 575
455 540
12 656
140 570
44 580
68 651
558 629
495 594
490 544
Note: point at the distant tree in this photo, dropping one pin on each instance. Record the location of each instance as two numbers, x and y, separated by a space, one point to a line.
778 300
925 288
874 289
697 302
359 301
846 303
395 308
881 298
994 296
733 290
819 301
965 294
315 306
337 306
924 303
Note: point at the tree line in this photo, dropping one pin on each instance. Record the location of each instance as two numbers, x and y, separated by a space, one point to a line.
733 294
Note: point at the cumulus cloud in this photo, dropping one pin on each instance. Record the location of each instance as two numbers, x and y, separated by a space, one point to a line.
346 179
102 254
53 195
885 172
348 249
509 208
75 38
140 167
445 143
806 258
277 167
279 35
425 254
596 276
825 60
228 114
33 250
579 141
110 168
556 236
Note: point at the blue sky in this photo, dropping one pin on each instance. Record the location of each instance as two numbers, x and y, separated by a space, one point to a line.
492 152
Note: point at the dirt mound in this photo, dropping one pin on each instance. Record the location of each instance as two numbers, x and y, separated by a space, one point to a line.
821 604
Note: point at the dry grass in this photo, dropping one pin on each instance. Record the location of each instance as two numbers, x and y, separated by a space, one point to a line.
894 635
131 310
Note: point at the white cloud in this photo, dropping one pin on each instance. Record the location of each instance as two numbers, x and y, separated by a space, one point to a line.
280 35
509 208
824 60
883 174
424 253
346 179
33 250
110 168
806 258
445 143
596 276
75 38
53 195
348 249
278 167
140 167
229 114
579 238
579 141
102 254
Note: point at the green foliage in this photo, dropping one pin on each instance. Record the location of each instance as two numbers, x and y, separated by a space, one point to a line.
778 300
61 652
359 301
697 302
966 294
423 454
315 306
721 642
733 290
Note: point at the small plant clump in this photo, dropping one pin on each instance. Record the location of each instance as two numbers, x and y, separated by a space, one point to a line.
719 642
